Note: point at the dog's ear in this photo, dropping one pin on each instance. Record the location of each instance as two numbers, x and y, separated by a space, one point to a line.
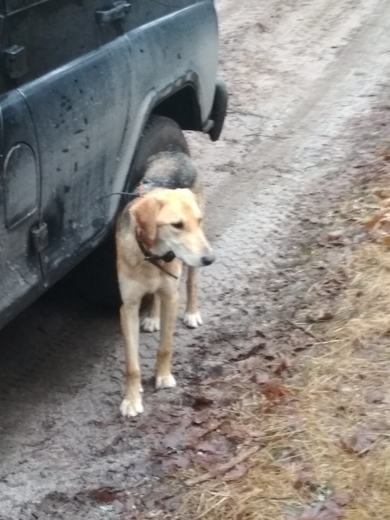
145 212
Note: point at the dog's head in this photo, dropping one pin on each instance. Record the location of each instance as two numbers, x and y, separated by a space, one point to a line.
171 220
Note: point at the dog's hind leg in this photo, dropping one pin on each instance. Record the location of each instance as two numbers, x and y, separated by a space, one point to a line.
192 317
169 307
151 322
132 403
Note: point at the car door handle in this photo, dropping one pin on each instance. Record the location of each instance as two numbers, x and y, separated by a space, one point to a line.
110 14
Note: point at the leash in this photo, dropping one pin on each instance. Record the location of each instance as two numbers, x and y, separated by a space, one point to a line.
154 259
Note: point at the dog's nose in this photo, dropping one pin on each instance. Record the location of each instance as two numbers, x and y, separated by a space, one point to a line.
208 259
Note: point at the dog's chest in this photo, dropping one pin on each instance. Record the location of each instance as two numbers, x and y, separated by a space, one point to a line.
146 279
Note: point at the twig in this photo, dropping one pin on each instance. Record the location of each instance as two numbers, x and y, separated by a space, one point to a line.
303 329
223 468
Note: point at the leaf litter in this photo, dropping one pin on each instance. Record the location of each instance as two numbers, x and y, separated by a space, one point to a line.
298 409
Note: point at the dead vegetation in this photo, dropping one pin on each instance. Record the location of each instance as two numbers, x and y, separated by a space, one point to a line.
323 448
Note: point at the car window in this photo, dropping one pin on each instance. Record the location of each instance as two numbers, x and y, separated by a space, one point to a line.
52 33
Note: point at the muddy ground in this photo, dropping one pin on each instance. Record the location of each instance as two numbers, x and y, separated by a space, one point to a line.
309 111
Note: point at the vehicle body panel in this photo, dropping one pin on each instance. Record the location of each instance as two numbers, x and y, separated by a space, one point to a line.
75 95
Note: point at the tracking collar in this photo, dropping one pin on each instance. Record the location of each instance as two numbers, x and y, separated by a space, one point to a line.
154 259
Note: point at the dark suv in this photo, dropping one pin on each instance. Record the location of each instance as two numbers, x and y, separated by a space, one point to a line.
88 91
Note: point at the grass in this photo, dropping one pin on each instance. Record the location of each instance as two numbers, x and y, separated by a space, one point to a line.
305 457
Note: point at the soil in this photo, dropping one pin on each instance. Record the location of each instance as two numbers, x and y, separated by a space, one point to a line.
309 113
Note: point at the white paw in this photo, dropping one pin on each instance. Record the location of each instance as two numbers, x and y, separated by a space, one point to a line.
165 382
150 324
192 320
131 407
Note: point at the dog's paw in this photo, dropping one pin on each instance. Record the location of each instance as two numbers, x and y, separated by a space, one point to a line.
150 324
192 320
131 407
165 382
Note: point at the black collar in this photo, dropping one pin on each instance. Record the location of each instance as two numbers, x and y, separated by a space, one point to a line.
154 259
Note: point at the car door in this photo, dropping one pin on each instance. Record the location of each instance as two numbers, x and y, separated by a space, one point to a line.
77 89
19 199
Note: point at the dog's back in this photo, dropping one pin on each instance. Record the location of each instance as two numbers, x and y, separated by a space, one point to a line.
170 170
166 170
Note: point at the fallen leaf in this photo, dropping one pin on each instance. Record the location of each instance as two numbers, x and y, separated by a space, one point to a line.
273 389
361 442
118 507
238 472
373 221
175 438
252 352
304 478
249 366
331 509
384 224
175 462
207 461
284 365
201 416
219 446
375 396
104 495
233 433
335 235
261 377
322 315
200 401
381 193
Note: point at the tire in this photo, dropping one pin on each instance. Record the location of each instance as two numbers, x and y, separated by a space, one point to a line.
219 110
96 277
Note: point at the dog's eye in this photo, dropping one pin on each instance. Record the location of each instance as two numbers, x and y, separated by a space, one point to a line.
178 225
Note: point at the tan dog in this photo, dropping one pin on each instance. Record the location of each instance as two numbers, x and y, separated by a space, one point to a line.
156 233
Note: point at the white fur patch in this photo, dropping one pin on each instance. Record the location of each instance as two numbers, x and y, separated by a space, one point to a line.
165 382
150 324
132 407
192 320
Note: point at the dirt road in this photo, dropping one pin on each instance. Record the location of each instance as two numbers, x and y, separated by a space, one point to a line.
305 79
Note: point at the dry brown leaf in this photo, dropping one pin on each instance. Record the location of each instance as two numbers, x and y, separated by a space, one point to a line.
322 315
304 478
274 389
199 401
251 353
384 224
284 365
361 442
261 378
219 445
104 495
374 220
381 193
175 462
331 509
201 416
238 472
335 236
375 396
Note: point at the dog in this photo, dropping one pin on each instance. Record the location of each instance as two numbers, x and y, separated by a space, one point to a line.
156 233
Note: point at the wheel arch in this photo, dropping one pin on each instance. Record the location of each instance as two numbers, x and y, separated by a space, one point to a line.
182 106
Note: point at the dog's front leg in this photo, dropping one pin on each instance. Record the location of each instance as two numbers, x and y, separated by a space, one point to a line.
169 307
192 317
132 403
